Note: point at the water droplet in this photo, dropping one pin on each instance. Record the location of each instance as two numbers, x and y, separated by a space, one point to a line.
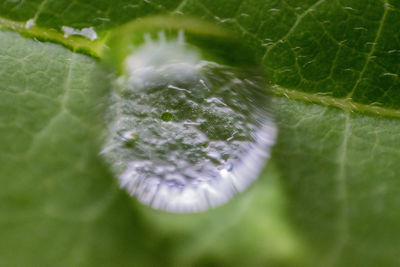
219 128
84 32
29 23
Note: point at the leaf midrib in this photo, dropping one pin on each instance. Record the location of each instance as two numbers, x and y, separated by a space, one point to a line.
75 43
93 48
345 104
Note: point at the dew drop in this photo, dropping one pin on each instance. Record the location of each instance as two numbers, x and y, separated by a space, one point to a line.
186 132
84 32
29 23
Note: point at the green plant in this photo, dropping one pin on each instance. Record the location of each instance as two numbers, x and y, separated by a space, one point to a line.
329 195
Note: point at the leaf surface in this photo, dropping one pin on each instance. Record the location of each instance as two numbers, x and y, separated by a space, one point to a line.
328 198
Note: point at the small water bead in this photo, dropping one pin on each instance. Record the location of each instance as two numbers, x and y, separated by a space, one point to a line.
186 132
84 32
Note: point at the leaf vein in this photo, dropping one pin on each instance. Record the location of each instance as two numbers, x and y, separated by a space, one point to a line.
294 26
342 223
345 104
371 52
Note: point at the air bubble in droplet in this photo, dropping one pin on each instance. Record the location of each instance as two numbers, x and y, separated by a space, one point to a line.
166 116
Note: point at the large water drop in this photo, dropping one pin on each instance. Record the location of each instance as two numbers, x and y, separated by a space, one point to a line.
186 133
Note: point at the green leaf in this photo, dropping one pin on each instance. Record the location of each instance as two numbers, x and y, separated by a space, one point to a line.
80 14
328 198
59 205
